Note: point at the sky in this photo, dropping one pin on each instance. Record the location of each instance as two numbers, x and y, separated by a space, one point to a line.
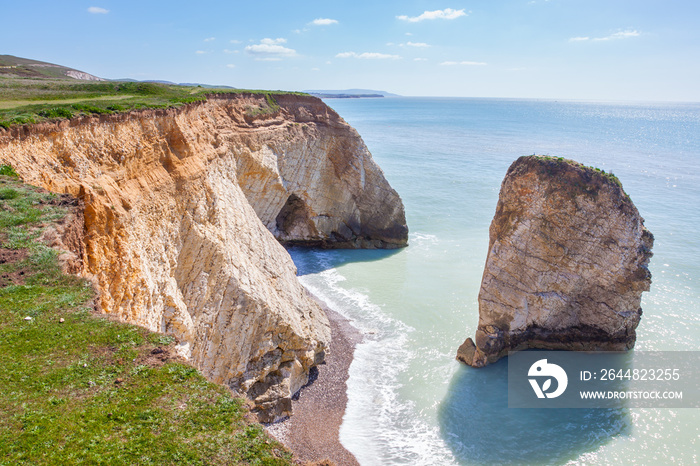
620 50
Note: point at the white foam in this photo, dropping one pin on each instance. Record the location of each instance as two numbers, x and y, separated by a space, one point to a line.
380 426
417 238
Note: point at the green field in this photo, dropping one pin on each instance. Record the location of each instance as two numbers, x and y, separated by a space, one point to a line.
33 91
29 100
78 388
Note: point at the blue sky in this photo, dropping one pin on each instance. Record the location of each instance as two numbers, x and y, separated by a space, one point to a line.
568 49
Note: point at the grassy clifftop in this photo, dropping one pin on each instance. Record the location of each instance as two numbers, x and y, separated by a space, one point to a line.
29 100
77 388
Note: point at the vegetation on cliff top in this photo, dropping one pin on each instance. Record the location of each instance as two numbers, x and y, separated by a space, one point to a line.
26 100
76 387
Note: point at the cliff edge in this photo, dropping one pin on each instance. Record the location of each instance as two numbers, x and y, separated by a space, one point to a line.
182 211
566 267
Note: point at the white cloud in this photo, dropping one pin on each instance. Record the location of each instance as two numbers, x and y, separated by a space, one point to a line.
466 63
409 33
324 22
620 35
410 44
615 36
210 39
201 52
96 10
368 56
234 41
230 51
315 69
447 13
230 65
270 50
420 59
279 40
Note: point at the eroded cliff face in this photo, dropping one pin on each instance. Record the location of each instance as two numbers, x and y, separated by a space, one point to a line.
566 267
182 208
314 190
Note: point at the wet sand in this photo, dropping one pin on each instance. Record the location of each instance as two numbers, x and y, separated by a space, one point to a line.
312 431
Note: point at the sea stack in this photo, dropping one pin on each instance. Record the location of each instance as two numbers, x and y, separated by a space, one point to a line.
566 267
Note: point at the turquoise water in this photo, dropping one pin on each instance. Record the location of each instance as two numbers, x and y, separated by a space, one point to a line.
410 402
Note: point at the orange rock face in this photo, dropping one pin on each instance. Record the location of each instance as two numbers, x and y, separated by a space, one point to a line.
182 211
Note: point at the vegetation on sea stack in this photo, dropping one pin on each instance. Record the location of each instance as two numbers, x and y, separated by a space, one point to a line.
607 176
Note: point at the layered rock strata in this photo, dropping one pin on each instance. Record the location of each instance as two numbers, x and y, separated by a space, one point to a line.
566 267
182 211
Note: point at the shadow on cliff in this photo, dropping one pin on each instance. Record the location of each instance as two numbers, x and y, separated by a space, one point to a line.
478 426
310 260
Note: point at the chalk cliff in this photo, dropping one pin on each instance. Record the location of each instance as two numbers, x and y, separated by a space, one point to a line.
182 211
566 267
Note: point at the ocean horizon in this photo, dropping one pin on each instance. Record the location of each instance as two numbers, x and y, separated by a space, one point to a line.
651 102
409 400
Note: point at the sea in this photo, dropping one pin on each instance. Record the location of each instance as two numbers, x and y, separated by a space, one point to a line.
409 401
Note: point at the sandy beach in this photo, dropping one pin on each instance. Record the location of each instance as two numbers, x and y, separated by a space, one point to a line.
312 431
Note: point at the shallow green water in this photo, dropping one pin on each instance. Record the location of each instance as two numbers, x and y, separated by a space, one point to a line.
410 402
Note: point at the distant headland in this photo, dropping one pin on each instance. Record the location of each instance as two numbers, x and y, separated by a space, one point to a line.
350 94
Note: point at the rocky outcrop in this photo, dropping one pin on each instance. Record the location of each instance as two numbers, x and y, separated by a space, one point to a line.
182 207
82 76
567 263
66 235
313 190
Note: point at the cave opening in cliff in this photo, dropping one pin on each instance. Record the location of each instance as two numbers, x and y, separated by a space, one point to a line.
294 221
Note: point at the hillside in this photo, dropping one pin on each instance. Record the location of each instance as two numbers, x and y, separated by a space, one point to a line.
18 67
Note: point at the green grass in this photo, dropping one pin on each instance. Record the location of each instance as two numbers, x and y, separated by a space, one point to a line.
609 176
8 170
270 106
26 101
89 390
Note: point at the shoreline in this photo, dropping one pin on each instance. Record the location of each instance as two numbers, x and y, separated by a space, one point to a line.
312 432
